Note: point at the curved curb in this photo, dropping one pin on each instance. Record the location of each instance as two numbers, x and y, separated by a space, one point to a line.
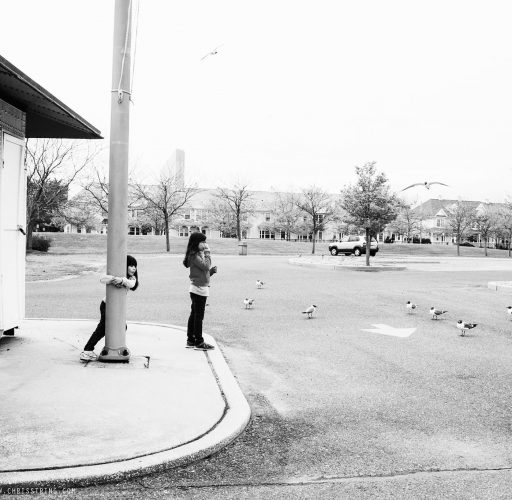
236 417
339 267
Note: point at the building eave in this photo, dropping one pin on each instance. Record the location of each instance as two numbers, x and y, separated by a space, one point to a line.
46 116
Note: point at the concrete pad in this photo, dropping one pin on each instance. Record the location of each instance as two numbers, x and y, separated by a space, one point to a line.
65 420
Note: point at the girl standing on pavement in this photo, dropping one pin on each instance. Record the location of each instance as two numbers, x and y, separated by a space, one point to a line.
131 282
198 260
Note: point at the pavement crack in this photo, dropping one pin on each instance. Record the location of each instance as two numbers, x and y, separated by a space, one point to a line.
336 479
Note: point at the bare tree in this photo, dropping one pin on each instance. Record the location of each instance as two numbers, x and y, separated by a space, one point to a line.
52 165
79 212
407 221
167 197
369 203
96 185
219 216
318 207
150 217
505 223
238 200
486 222
461 216
286 214
341 220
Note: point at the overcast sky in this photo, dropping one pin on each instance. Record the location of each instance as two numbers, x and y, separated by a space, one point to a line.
299 93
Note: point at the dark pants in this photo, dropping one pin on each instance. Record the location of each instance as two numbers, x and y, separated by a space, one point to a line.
195 320
99 333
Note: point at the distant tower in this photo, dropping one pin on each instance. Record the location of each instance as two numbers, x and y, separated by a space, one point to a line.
175 167
180 168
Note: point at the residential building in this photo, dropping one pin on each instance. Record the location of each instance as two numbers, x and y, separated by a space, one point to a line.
432 218
261 221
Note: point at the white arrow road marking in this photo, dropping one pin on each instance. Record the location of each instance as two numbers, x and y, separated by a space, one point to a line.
391 330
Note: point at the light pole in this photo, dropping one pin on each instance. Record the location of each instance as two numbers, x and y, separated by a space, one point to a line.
115 314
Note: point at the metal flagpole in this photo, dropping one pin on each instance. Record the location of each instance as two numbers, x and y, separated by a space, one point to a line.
115 332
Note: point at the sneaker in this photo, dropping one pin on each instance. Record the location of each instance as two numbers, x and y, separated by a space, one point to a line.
203 346
88 356
190 345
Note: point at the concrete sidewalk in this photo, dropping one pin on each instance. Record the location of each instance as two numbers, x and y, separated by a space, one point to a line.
65 422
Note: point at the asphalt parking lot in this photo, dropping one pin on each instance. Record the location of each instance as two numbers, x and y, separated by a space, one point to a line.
334 396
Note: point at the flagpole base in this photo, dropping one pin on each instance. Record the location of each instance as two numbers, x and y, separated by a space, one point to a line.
114 355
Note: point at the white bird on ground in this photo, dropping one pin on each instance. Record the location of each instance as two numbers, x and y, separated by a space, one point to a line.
248 303
259 284
461 325
410 306
310 310
213 52
509 310
436 312
424 184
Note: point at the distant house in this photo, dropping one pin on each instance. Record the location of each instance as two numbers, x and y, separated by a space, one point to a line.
433 222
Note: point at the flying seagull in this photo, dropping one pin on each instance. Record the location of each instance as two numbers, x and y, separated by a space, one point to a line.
436 312
310 310
213 52
410 306
248 303
465 326
259 284
424 184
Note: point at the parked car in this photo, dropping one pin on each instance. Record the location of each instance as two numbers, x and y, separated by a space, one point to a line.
353 244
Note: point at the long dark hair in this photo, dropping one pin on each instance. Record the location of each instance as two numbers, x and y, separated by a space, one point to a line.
193 246
132 261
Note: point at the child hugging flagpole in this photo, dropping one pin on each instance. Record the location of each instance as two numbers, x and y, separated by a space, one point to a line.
115 334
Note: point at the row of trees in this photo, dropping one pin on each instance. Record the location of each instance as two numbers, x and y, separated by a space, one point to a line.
368 205
53 165
463 219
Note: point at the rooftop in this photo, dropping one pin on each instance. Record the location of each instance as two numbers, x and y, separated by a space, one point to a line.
46 116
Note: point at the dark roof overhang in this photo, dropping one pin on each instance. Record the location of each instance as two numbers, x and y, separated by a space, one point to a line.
46 116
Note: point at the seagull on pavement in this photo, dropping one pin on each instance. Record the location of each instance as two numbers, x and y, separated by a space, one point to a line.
410 306
248 303
509 310
424 184
461 325
213 52
259 284
309 311
436 312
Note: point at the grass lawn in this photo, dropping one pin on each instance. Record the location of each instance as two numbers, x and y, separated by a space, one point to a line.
73 254
97 244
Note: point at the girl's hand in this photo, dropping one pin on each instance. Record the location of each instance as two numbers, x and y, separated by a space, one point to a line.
117 282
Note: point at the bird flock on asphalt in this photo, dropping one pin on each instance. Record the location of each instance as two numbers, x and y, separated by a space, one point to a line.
411 307
249 302
435 313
